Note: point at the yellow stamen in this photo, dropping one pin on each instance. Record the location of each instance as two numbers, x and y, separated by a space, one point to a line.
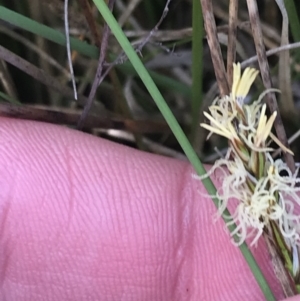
218 128
264 127
241 84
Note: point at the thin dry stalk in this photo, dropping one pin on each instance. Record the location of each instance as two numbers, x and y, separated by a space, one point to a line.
123 58
166 35
284 73
97 35
76 20
96 82
88 13
215 49
149 36
41 76
31 46
70 116
270 52
270 35
128 11
7 81
68 46
232 29
265 73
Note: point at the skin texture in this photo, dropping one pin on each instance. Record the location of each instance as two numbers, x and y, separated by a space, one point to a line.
83 218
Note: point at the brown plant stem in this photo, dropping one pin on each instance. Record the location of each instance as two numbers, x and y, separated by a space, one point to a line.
70 116
96 82
41 76
87 11
265 73
232 28
214 45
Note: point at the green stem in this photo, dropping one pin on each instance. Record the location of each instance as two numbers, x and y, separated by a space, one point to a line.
197 66
177 131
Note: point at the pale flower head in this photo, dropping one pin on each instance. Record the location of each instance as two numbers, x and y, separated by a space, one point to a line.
250 175
241 84
274 198
225 110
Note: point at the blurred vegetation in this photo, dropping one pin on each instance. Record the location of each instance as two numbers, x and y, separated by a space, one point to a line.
176 68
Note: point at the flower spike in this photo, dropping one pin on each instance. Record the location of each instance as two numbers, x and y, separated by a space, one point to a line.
241 85
266 190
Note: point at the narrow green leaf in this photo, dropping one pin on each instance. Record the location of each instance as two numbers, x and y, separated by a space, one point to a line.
9 98
293 19
197 66
177 131
84 48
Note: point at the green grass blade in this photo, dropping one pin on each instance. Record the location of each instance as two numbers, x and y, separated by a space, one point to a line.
293 19
197 66
9 98
46 32
294 23
82 47
149 83
177 131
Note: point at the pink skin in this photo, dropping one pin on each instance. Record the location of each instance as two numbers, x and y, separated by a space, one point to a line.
82 218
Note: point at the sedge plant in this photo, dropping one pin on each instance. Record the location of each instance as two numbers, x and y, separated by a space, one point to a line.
265 189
